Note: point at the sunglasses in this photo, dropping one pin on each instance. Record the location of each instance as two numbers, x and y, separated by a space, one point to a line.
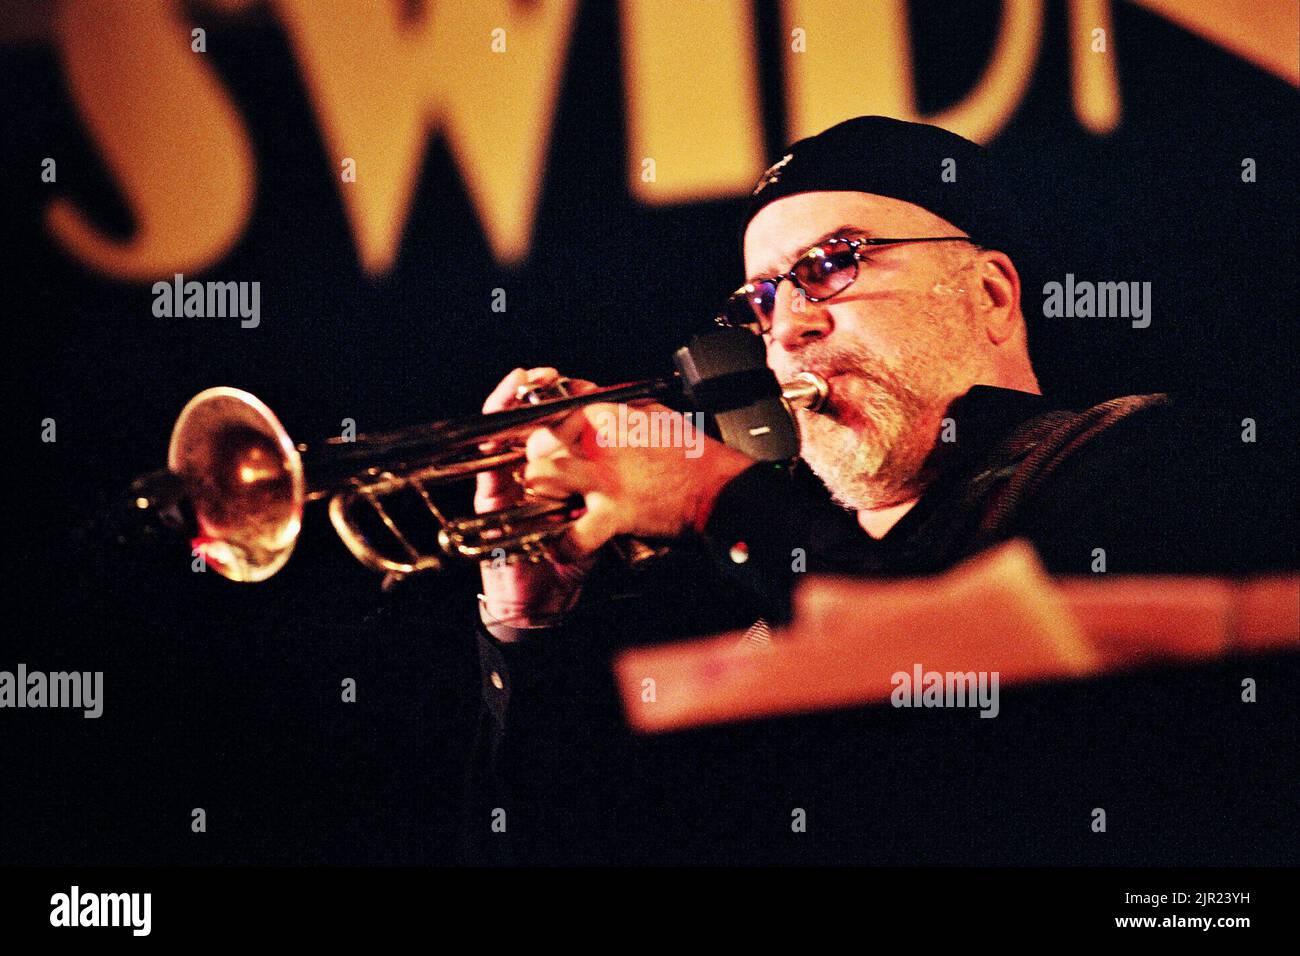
821 273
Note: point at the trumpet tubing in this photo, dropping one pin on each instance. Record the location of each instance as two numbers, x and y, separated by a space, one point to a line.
246 483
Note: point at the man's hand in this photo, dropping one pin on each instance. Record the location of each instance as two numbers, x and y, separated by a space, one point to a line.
649 492
655 492
525 593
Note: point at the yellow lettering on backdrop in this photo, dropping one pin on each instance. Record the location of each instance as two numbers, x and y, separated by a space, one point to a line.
1093 76
487 74
861 62
1263 32
381 84
168 133
691 78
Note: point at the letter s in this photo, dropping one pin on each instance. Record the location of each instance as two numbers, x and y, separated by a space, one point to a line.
167 131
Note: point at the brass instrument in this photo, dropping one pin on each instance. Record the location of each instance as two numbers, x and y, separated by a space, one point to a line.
238 483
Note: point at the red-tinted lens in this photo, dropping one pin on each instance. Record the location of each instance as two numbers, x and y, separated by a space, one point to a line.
751 307
827 269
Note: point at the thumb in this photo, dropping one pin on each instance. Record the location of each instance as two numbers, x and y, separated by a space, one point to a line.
588 534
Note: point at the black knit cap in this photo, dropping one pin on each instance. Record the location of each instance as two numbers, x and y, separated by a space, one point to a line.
889 157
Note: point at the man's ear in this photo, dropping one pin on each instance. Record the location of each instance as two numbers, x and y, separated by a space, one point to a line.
1000 295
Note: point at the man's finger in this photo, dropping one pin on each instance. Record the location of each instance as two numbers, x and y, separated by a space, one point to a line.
503 395
580 386
543 443
498 489
566 434
588 533
560 477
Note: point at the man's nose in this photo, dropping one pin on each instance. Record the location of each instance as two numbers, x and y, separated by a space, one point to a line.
797 321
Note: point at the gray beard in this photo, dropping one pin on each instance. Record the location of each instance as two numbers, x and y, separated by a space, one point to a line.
870 450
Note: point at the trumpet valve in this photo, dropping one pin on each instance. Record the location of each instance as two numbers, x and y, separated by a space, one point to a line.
536 394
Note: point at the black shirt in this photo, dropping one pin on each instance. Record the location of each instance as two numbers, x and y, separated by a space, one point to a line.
553 754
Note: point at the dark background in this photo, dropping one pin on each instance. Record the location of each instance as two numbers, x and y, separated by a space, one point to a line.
227 697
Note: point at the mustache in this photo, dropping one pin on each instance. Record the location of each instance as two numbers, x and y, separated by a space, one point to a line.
830 364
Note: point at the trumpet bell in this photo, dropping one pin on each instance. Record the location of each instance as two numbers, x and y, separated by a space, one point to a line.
245 481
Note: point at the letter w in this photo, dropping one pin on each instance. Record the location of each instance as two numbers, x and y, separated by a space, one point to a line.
382 82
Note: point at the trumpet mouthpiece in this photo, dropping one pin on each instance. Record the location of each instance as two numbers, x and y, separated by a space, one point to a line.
808 390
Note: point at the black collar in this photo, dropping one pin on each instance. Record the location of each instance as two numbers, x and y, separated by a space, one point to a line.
982 418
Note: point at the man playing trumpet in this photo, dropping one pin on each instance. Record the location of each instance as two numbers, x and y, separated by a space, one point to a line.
877 257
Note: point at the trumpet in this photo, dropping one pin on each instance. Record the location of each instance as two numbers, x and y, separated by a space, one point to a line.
238 485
